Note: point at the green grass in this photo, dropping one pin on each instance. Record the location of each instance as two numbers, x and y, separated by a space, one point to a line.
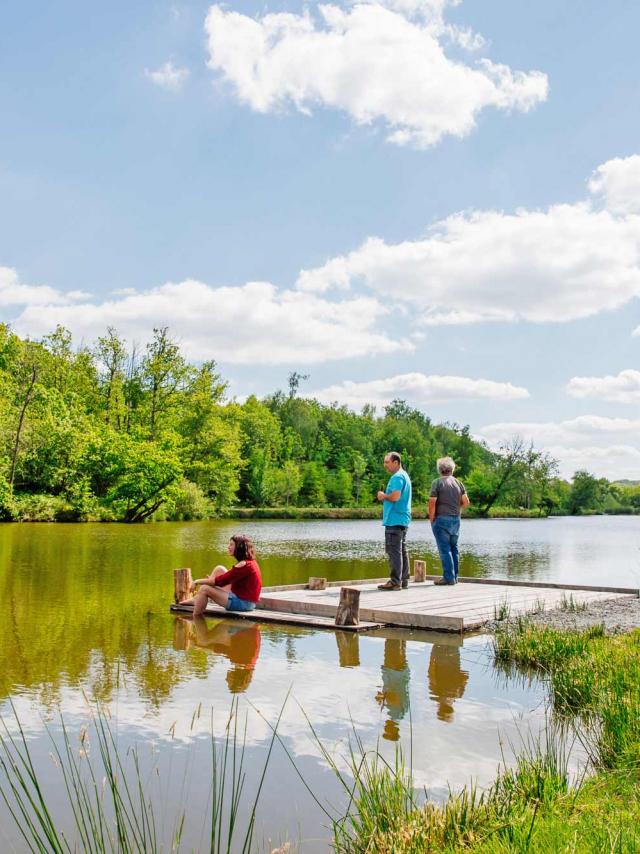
571 605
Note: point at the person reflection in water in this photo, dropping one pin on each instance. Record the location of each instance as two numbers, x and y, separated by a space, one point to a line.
394 695
447 680
240 643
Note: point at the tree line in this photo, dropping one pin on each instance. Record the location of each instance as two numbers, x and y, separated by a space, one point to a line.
120 433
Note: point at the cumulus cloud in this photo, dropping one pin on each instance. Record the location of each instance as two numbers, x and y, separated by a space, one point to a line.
13 292
608 447
417 388
623 388
168 76
378 62
564 263
255 323
618 181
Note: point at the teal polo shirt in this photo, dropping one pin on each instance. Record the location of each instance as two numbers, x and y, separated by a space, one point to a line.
398 512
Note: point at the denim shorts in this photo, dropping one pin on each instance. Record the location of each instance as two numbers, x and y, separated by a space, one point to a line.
235 603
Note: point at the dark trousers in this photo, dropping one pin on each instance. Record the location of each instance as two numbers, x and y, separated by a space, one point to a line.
395 545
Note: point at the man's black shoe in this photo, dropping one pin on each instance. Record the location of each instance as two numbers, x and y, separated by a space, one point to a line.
405 584
389 585
441 582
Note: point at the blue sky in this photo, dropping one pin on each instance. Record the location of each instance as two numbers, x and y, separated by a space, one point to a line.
211 146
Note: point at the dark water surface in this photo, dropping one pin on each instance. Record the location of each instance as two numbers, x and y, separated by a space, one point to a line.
84 612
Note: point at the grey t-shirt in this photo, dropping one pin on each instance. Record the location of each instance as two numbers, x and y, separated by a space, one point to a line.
447 490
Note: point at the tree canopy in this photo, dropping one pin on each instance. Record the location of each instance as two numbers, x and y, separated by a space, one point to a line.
114 432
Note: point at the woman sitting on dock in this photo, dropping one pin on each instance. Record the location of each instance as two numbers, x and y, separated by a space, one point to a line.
237 589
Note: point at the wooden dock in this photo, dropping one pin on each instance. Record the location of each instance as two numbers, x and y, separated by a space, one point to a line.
463 607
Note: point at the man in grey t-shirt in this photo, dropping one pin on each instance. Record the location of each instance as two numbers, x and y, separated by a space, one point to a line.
447 499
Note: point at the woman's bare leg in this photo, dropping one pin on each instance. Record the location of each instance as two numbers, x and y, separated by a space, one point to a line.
219 596
219 570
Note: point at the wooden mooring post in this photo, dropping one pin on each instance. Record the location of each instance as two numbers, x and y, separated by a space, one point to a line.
348 613
182 584
419 571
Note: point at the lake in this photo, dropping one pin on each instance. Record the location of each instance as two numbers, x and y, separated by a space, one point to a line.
85 615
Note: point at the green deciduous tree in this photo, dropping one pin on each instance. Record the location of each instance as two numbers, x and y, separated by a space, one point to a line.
587 493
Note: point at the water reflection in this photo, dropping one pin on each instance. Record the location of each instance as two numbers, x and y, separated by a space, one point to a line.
238 642
348 649
394 694
85 612
447 679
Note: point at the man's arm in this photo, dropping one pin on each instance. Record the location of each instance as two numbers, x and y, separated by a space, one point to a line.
389 496
432 509
464 500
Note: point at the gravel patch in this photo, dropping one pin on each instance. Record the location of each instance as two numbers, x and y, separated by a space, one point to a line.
616 615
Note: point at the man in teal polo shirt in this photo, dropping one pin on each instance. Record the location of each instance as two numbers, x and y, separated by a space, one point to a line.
396 515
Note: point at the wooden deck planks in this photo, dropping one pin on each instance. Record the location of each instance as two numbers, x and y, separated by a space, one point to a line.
426 605
465 606
310 621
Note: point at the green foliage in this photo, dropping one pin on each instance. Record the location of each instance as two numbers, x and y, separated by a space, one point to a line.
188 502
112 432
287 482
313 480
587 493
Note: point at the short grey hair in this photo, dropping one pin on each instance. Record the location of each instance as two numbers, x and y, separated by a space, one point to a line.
446 465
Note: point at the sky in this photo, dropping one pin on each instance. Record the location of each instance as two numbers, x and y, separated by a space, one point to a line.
430 200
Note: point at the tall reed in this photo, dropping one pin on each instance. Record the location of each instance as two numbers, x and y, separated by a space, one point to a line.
106 802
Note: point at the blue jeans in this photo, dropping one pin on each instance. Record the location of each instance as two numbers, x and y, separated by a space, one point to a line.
235 603
446 530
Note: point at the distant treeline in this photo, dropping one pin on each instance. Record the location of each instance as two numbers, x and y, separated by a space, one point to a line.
117 433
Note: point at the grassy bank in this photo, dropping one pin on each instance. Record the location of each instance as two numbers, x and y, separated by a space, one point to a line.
594 693
51 508
373 512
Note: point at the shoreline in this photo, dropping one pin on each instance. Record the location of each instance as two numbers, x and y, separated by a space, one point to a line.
615 616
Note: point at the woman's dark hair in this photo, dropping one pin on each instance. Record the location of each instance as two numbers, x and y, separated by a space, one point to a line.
243 547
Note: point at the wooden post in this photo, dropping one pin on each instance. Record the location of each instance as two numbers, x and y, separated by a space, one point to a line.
348 613
317 583
348 649
182 584
419 571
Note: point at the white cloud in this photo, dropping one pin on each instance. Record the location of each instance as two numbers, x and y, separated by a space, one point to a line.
564 263
13 292
618 181
417 388
255 323
623 388
375 61
168 76
608 447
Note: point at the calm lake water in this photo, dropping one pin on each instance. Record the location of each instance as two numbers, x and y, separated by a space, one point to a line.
85 615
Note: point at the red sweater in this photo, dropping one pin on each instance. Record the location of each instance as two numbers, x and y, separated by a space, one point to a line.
245 581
